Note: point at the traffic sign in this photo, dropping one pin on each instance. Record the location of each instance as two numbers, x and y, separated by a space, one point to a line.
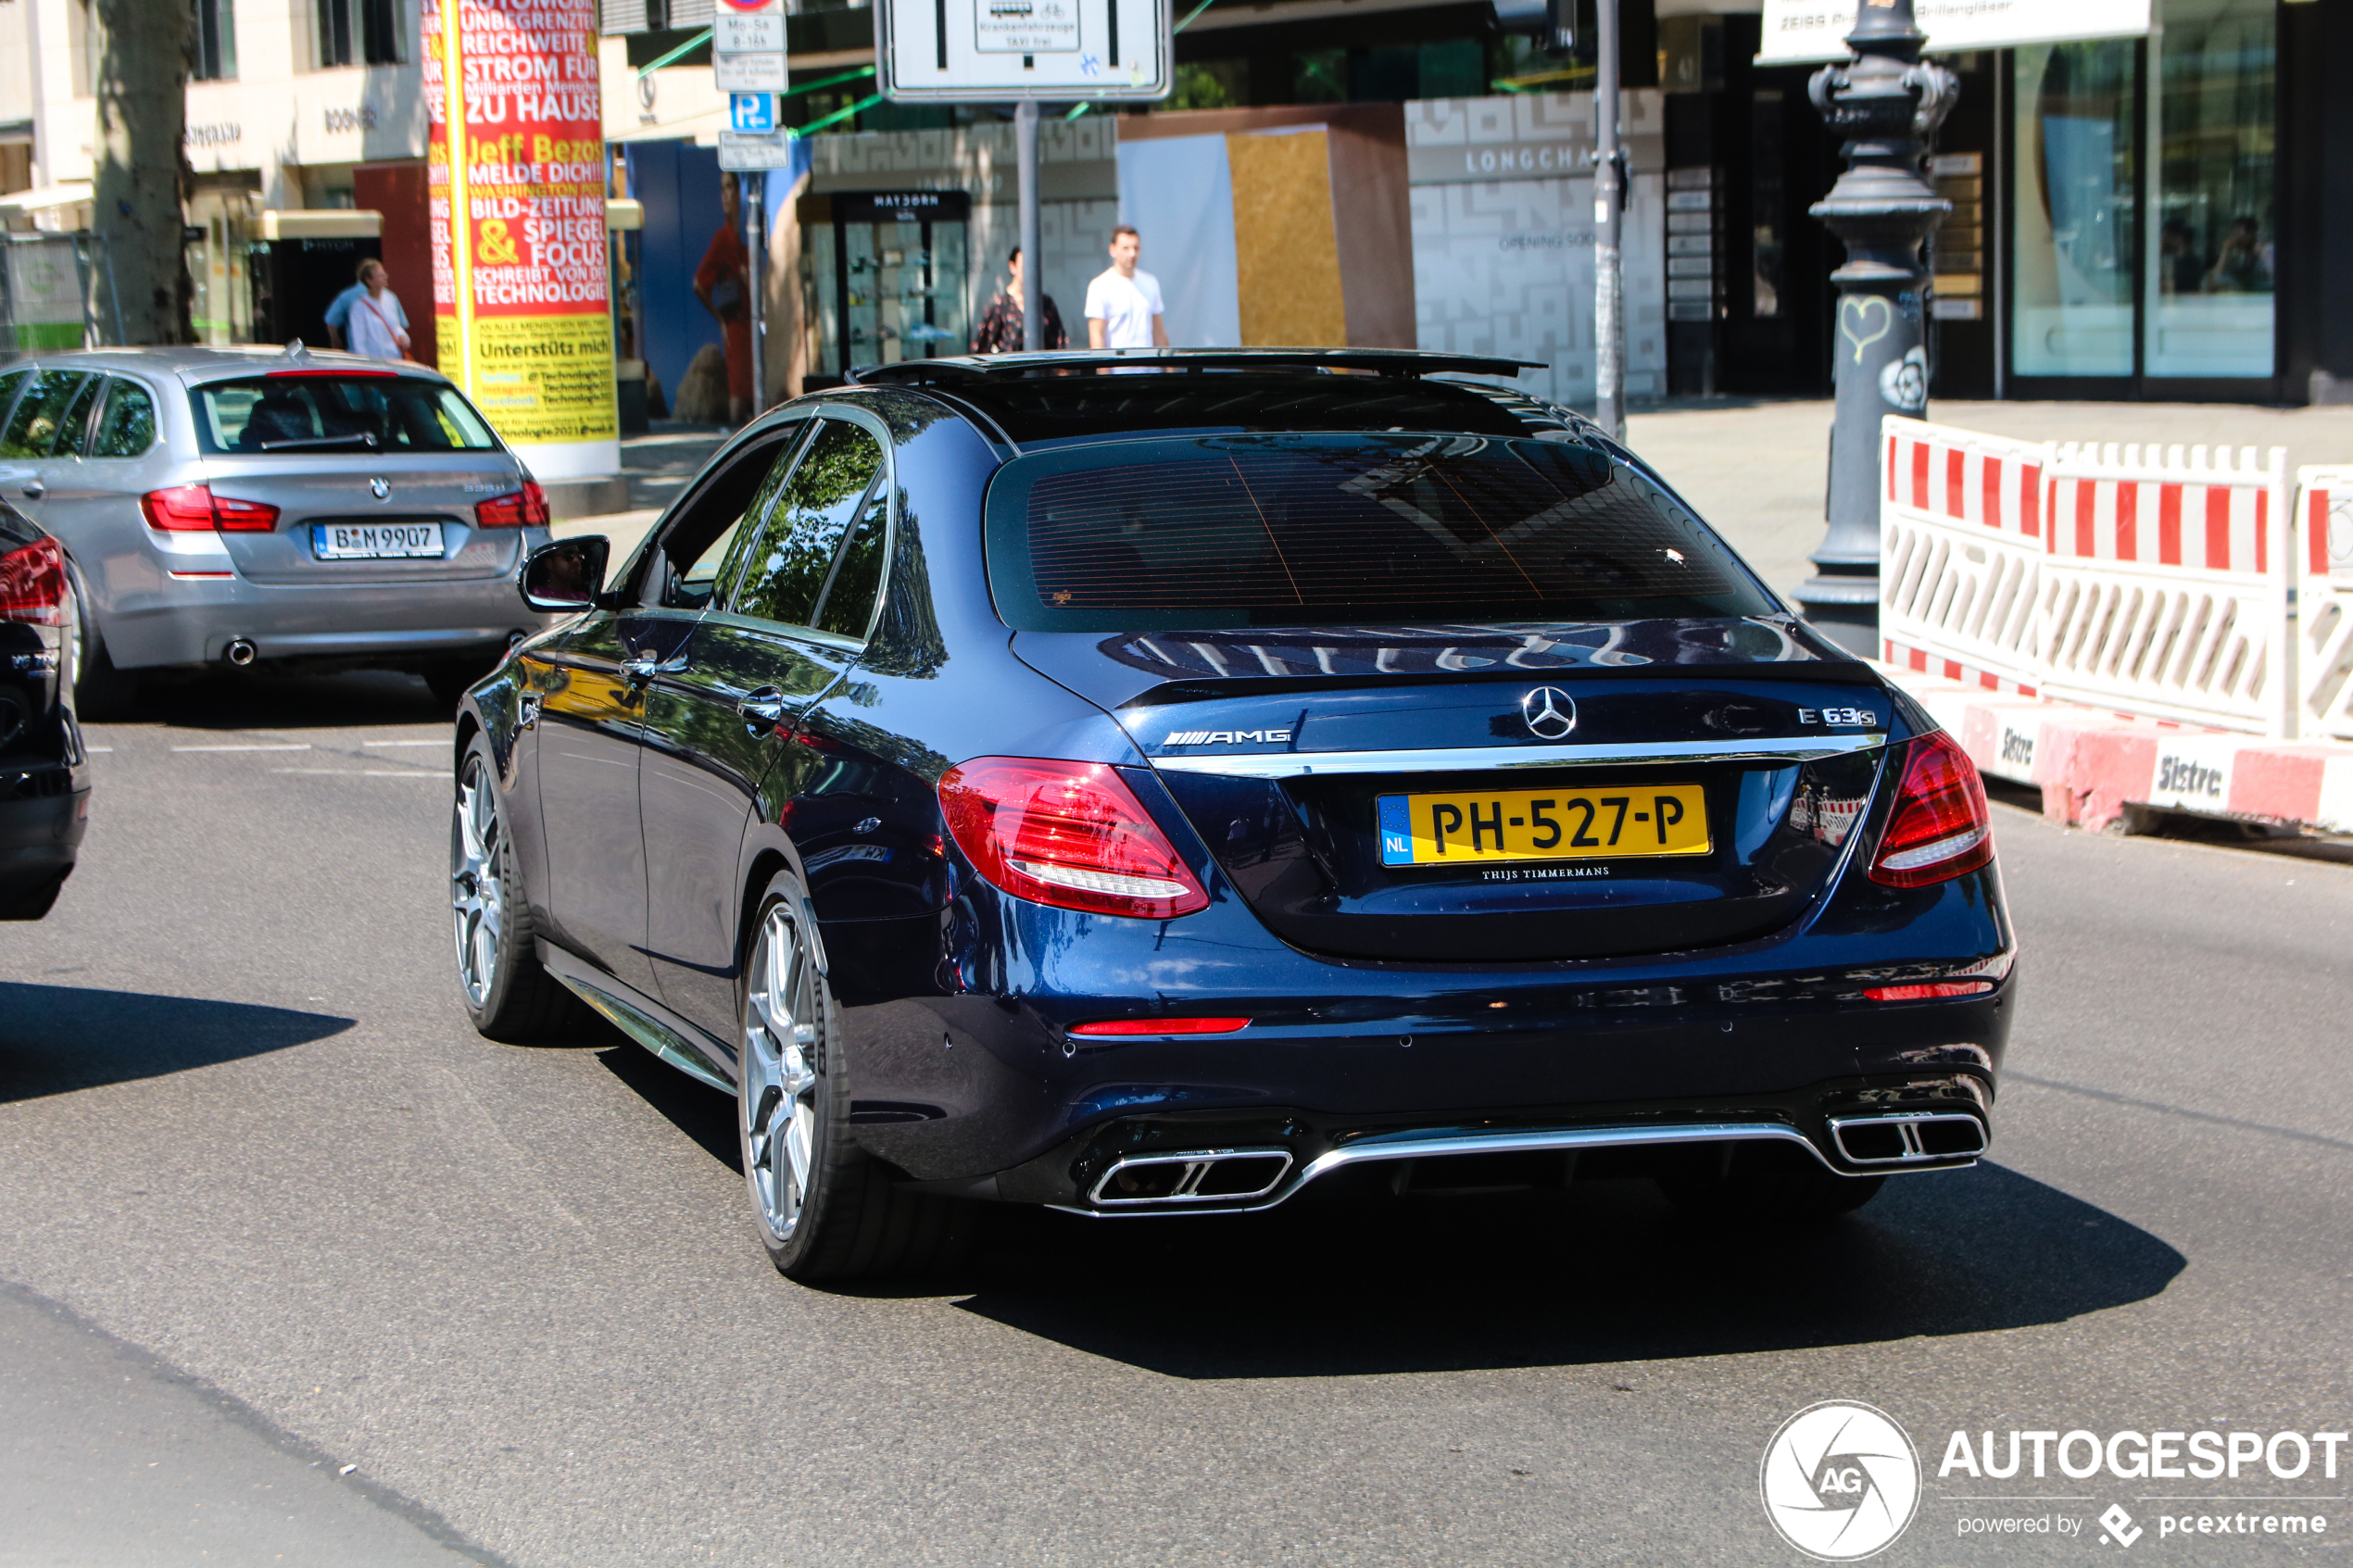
742 151
749 73
996 51
752 113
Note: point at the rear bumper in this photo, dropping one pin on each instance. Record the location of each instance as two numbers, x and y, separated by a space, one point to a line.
43 817
193 621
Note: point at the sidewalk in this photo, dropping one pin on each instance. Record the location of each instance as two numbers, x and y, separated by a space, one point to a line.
1757 471
656 467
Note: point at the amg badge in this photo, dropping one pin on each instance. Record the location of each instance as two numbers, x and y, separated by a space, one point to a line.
1224 737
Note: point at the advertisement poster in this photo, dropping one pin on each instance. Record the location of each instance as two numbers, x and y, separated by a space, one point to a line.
516 161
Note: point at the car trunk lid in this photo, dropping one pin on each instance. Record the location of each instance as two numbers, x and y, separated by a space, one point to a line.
1470 795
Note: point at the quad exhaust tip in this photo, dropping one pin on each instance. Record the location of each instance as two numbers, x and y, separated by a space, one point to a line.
1909 1138
240 652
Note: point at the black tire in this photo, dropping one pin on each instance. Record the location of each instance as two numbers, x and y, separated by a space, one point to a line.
448 679
517 1001
1761 1182
101 691
843 1214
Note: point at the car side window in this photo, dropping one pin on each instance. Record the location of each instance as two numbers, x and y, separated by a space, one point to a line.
73 431
41 413
9 383
127 426
846 605
796 559
698 553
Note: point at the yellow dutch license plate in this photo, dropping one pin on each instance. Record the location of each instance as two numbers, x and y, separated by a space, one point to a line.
1543 824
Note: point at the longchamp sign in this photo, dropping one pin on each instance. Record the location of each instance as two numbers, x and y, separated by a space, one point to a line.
1798 31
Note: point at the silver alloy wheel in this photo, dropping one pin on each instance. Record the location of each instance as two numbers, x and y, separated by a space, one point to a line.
77 640
778 1097
477 897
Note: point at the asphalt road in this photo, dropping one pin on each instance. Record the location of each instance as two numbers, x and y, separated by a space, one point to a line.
269 1211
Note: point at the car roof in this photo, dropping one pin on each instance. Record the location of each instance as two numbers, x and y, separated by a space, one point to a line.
206 363
1036 399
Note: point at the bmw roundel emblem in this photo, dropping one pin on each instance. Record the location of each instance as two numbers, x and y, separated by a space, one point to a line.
381 488
1550 712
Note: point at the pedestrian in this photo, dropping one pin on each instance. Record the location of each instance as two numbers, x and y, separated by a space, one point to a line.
339 309
1122 303
1001 328
723 282
379 328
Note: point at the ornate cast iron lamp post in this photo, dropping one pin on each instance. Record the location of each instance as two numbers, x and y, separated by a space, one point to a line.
1887 104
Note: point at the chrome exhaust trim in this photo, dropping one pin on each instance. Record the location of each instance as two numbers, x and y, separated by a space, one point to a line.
1127 1186
240 652
1433 1143
1914 1137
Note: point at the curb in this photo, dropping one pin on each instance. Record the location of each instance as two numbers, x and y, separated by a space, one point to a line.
2093 766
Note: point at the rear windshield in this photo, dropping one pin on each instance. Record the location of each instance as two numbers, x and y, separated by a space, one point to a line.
310 411
1347 530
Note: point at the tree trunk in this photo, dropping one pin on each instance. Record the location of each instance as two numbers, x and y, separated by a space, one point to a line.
143 174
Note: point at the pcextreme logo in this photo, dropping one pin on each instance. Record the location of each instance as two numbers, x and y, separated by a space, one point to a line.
1840 1481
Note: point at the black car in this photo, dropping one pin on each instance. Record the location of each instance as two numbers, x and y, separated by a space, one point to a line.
1150 784
44 772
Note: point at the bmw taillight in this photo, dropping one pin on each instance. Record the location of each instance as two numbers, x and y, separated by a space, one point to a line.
526 507
33 583
1071 835
1939 828
189 508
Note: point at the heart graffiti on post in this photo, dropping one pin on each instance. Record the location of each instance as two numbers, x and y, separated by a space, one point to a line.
1855 313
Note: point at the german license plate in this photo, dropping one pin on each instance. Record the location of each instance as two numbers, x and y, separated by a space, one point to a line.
1543 824
376 541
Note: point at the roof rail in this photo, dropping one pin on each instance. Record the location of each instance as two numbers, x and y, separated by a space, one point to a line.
969 368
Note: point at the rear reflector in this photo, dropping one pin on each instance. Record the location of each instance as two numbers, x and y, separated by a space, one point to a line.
33 583
1929 992
1071 835
1939 828
1162 1026
189 508
526 507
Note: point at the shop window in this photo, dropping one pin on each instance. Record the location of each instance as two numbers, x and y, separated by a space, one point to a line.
214 58
370 32
2074 212
1320 75
1765 203
2211 288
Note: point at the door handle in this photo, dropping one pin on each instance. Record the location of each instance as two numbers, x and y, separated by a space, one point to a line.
640 669
35 490
762 709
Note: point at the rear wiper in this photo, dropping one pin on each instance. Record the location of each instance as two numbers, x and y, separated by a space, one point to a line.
362 439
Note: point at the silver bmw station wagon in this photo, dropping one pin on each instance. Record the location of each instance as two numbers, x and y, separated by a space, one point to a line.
247 506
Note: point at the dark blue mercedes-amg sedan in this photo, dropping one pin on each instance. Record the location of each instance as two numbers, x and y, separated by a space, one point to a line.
1152 783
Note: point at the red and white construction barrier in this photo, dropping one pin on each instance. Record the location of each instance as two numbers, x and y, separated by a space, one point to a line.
2090 765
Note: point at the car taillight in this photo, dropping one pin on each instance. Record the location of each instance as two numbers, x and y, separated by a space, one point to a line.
187 508
1939 828
1071 835
526 507
1928 992
1162 1026
33 583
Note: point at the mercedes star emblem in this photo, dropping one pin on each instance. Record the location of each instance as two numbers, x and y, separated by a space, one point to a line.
380 488
1549 711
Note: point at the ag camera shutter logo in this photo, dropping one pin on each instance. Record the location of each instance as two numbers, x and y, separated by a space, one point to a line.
1840 1481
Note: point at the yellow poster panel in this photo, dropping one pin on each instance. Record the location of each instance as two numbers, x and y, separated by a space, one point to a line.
540 377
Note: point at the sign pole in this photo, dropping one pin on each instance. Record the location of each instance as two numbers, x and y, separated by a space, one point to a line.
1032 265
1609 215
755 186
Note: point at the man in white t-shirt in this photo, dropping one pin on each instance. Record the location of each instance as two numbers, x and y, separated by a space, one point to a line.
1123 304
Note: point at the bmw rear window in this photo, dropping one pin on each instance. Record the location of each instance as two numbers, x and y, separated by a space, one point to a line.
1318 530
293 412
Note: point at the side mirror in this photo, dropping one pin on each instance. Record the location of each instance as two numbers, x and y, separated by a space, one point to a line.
567 576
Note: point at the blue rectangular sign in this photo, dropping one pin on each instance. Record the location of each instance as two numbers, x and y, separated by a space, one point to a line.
751 113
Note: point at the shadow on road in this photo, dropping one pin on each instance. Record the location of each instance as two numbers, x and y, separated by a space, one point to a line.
1359 1283
54 1039
237 699
697 1110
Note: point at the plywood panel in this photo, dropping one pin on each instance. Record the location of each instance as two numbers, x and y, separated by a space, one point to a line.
1287 253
